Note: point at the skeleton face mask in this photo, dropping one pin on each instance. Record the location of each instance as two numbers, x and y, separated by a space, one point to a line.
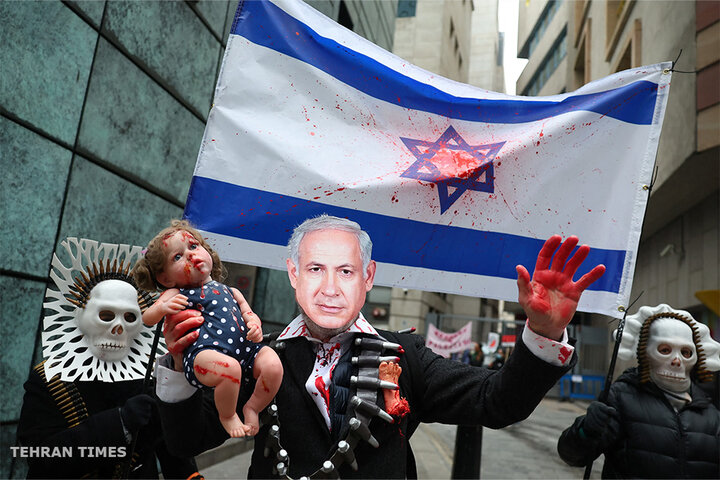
671 354
110 320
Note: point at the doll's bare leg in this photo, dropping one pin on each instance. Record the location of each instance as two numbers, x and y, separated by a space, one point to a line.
268 371
214 369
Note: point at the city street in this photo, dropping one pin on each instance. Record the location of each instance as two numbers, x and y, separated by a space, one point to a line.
522 451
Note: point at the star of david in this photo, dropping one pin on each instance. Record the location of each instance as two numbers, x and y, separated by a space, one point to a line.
451 162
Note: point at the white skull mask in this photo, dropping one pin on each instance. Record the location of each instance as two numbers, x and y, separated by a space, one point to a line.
671 354
110 320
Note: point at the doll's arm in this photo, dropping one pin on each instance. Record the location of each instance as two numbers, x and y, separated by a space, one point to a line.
251 319
171 301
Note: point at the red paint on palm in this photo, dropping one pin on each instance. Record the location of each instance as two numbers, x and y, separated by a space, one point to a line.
551 297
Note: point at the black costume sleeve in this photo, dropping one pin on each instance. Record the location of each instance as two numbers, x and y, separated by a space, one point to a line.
191 426
455 393
575 449
42 424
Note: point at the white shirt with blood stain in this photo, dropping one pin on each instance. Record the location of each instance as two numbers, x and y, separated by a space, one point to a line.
327 356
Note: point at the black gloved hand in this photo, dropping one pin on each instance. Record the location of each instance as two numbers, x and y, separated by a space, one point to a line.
601 424
137 412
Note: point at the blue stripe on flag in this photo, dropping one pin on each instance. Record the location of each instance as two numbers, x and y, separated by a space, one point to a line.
266 217
263 23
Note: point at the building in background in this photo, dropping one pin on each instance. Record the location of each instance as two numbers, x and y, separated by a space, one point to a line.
456 39
568 44
460 40
274 298
102 109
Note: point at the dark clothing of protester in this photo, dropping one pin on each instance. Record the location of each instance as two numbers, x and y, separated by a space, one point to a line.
82 419
654 440
712 388
437 390
498 362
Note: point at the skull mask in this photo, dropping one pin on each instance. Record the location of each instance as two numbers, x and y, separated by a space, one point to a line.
110 320
671 354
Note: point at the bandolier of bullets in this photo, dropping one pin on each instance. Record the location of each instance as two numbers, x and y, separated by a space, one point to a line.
365 388
71 406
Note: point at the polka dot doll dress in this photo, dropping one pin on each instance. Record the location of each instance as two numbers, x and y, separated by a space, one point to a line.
223 330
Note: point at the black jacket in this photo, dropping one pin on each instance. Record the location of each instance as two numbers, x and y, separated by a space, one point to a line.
91 420
437 390
654 441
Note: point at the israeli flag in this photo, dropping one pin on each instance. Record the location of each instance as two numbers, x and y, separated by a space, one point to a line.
455 185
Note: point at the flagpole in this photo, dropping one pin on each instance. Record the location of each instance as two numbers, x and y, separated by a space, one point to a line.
608 379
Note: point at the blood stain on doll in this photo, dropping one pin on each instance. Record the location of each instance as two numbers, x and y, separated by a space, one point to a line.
230 377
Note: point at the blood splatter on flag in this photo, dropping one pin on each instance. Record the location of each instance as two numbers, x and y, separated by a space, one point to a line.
455 185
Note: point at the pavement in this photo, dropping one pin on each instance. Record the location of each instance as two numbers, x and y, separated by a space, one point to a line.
526 450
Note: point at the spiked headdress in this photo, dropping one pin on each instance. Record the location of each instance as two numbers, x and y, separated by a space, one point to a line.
64 348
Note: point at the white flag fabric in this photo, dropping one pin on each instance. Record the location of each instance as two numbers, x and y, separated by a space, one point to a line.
455 185
445 344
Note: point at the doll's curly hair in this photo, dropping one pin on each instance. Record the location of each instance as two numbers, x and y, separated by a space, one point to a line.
701 373
152 264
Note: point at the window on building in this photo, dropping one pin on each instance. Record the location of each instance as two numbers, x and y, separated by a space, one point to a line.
344 18
613 12
617 13
625 60
581 70
539 29
548 65
581 9
406 8
629 55
500 49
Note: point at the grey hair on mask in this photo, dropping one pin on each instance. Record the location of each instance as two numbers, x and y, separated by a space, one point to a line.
327 222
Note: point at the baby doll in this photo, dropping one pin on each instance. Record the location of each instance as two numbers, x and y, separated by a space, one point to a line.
180 262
